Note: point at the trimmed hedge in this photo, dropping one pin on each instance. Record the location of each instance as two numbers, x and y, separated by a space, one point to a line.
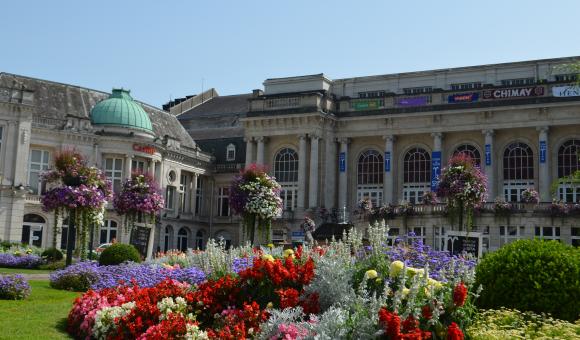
532 275
52 255
118 253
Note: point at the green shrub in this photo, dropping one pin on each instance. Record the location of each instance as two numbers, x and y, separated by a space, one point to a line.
119 253
532 275
52 255
53 265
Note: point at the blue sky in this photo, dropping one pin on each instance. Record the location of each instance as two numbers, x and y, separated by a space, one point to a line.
163 49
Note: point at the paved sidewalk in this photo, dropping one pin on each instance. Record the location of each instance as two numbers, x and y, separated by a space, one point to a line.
45 276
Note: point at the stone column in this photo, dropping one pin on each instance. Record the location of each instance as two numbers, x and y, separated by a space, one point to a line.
151 167
301 201
436 163
249 150
388 179
313 185
342 176
487 164
193 197
260 150
128 161
544 164
330 172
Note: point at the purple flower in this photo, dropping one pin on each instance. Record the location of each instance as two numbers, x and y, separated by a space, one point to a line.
13 287
24 261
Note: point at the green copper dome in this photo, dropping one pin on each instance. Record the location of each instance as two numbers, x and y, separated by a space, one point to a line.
121 110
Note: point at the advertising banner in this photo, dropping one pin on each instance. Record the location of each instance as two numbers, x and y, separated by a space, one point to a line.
517 92
414 101
342 162
366 104
566 91
387 161
435 169
487 154
463 97
543 148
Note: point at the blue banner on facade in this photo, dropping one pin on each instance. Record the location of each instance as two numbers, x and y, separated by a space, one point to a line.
342 162
543 151
387 161
487 154
435 169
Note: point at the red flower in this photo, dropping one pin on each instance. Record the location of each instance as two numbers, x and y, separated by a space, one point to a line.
410 324
288 297
426 312
459 294
454 332
391 322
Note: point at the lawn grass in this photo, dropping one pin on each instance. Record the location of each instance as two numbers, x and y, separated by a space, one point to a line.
41 316
24 271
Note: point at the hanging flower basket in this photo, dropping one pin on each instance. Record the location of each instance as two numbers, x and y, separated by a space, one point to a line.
139 199
255 196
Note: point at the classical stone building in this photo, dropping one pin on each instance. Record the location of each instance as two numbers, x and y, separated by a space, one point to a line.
39 118
386 137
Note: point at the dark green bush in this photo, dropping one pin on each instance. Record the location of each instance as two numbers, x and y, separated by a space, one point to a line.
119 253
52 255
532 275
53 265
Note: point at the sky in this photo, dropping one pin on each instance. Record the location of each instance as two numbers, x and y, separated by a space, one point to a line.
163 50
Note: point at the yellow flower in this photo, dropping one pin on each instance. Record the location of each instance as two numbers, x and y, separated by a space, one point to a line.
406 292
396 268
288 252
267 257
434 283
414 271
270 245
371 274
269 305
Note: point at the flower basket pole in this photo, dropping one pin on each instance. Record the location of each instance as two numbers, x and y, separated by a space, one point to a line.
69 237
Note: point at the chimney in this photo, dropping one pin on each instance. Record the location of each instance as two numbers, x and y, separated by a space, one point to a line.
257 93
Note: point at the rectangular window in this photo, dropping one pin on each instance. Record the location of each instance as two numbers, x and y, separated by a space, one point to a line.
575 236
169 197
394 233
465 86
371 94
413 193
278 235
223 201
114 172
289 195
199 196
484 230
512 189
439 237
372 192
417 233
566 77
548 233
231 153
518 81
138 165
182 191
38 161
569 192
417 90
510 233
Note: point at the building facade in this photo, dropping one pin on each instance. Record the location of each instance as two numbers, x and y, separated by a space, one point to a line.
331 143
39 118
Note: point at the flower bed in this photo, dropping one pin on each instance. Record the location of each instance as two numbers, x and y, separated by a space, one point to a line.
85 275
271 293
13 287
28 261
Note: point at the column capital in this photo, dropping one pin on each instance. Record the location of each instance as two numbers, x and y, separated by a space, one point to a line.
389 138
343 140
261 139
437 134
248 139
129 155
488 132
544 129
314 136
302 136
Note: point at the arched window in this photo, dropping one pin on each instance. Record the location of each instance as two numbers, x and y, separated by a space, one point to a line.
470 151
568 163
199 240
370 177
108 231
286 173
167 238
32 228
416 174
230 152
518 170
182 239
